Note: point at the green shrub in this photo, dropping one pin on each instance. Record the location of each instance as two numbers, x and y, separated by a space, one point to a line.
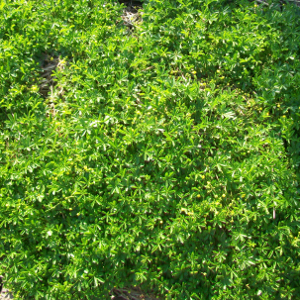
166 156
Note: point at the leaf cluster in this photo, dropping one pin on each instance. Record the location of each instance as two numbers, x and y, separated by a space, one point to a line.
165 157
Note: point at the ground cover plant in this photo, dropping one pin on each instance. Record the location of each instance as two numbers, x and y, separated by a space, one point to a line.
162 155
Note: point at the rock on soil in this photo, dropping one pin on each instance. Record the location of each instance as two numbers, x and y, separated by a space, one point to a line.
5 295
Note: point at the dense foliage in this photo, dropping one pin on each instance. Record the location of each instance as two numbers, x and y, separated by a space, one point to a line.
165 156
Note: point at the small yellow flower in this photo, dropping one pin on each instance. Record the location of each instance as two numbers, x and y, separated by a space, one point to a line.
255 5
78 214
283 116
243 195
222 77
202 176
223 195
216 196
278 105
34 88
70 208
218 71
198 196
194 72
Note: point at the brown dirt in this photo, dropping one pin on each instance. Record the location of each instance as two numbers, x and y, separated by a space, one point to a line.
131 294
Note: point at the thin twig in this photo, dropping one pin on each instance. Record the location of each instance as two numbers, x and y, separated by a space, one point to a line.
262 2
